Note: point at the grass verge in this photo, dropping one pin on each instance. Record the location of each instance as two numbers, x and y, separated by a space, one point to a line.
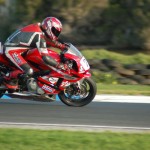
23 139
123 89
122 58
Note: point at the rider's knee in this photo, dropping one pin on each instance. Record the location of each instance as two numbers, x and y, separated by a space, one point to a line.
27 69
49 60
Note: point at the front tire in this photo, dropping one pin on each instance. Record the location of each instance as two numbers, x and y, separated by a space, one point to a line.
73 96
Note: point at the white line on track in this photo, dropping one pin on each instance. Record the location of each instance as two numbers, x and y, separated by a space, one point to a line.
103 98
122 98
71 126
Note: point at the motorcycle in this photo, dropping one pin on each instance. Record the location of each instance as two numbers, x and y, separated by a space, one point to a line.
73 86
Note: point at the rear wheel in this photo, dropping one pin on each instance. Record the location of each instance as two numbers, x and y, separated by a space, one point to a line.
79 94
2 88
3 71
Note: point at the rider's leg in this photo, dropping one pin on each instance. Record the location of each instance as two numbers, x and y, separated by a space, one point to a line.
14 55
52 62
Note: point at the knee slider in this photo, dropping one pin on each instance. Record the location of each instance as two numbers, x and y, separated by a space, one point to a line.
49 60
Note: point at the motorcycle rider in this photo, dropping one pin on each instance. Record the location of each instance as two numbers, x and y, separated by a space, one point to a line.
38 35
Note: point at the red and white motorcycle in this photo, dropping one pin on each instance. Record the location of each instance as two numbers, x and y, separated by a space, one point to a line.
74 86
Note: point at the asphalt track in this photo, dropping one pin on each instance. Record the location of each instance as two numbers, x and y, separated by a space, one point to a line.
95 116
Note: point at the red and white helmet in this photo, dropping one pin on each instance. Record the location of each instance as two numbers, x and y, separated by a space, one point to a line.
52 26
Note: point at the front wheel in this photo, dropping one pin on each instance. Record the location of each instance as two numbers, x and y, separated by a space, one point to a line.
79 94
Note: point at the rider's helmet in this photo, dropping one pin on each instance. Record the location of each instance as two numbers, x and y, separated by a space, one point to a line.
52 27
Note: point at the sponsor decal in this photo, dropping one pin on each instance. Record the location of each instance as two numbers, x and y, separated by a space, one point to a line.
84 64
47 88
65 83
16 58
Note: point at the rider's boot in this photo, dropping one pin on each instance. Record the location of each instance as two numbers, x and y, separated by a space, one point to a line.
10 80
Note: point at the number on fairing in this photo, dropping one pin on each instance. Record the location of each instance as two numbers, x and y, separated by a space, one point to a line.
84 63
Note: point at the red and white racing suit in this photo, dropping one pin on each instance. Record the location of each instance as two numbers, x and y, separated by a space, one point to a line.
27 38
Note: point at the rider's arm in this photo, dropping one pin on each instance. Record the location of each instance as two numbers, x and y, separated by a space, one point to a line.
42 47
57 44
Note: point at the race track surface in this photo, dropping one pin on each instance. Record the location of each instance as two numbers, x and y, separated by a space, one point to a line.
96 115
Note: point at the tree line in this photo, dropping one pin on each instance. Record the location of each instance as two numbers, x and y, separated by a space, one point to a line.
119 24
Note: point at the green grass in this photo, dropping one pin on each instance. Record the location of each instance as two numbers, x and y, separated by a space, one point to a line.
25 139
123 89
122 58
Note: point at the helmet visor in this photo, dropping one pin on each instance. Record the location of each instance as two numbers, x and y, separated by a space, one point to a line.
55 31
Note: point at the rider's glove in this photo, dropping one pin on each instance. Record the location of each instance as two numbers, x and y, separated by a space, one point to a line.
65 47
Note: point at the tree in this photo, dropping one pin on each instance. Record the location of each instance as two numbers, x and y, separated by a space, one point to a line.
2 2
25 11
122 24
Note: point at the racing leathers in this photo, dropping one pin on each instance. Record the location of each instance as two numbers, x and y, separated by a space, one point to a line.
27 38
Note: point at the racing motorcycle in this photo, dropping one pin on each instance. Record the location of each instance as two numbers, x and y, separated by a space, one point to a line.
73 86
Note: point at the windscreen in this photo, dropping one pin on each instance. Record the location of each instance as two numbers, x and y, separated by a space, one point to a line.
73 50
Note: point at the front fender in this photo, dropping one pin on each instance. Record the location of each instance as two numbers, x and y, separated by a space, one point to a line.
87 75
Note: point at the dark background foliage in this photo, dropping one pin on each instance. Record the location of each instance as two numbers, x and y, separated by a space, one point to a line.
119 24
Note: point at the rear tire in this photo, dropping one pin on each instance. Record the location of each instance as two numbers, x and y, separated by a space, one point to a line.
87 93
2 89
